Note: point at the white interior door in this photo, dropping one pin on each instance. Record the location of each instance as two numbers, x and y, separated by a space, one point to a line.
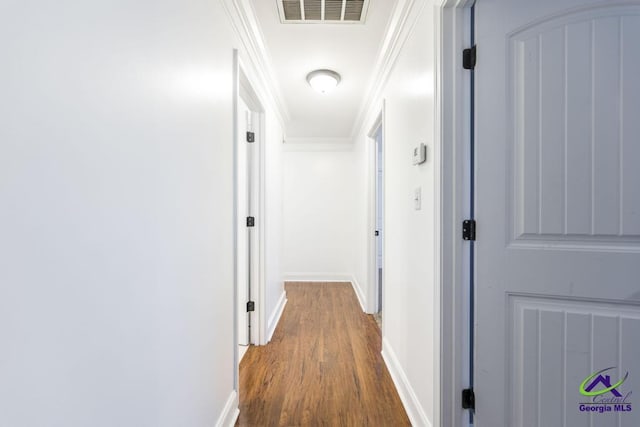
243 273
558 210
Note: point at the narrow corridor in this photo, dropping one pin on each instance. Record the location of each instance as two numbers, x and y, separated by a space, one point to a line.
322 367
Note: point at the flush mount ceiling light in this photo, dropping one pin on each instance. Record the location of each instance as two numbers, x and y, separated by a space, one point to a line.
323 80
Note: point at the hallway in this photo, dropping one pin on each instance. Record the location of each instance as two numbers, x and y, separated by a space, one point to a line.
322 367
128 184
174 174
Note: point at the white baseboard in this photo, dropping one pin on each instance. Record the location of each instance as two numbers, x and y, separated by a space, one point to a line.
414 409
230 412
358 290
275 316
317 277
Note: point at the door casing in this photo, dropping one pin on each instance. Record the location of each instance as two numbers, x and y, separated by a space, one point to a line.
452 114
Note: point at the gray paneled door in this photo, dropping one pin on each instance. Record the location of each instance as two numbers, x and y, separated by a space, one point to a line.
558 210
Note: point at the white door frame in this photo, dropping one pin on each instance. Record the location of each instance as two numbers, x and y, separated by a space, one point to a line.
248 94
243 88
372 294
452 110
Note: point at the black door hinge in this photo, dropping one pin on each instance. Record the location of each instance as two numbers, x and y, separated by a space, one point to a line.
469 229
468 399
251 221
251 137
469 58
377 233
251 306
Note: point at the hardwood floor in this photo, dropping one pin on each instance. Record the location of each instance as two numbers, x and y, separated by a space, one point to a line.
323 366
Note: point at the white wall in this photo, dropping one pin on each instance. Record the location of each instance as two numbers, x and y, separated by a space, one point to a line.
274 297
116 268
320 220
409 275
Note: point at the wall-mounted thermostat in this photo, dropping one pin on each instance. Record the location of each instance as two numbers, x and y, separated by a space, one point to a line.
420 154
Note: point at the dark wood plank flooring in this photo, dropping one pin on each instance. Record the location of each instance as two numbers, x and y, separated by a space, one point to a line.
323 366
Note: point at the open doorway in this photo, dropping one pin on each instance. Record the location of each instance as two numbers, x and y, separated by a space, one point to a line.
379 222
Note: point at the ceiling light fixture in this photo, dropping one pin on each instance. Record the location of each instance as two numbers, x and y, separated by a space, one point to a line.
323 80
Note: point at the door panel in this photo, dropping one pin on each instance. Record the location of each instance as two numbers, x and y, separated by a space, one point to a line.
558 209
243 233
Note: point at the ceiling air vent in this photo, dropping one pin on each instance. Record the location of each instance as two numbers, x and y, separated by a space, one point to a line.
323 11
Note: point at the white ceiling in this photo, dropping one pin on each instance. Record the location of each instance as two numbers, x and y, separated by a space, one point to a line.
296 49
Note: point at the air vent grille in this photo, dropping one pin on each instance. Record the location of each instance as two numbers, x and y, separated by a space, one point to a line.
291 9
313 10
323 11
353 10
333 10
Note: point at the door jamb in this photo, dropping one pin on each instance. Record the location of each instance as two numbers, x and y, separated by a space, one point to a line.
452 94
248 94
372 294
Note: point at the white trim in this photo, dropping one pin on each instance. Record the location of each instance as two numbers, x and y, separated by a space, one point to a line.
257 67
245 89
412 405
438 168
260 287
245 25
451 112
376 124
358 290
274 318
396 33
230 412
318 277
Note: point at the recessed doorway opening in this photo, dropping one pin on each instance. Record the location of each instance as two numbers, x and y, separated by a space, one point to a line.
376 299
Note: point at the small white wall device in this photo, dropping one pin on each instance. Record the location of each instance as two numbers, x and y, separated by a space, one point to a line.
420 154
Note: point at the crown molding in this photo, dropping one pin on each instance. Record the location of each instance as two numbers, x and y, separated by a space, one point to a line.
245 25
398 29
